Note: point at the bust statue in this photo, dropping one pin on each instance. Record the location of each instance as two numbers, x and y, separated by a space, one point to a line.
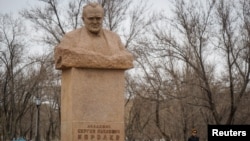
91 46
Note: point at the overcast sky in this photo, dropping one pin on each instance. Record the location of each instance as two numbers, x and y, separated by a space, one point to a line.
13 6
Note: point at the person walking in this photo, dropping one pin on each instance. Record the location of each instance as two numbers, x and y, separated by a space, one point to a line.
193 136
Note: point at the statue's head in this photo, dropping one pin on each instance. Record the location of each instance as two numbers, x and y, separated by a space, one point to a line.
92 17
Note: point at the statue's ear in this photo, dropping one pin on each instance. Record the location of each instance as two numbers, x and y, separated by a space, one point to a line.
83 18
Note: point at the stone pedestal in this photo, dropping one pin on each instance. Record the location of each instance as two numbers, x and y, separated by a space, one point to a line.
92 105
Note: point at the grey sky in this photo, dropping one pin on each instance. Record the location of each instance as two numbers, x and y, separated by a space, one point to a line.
13 6
7 6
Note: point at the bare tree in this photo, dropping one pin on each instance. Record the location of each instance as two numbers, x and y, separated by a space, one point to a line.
205 96
234 45
205 93
16 88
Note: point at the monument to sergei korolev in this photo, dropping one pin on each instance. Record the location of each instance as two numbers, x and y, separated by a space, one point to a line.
93 61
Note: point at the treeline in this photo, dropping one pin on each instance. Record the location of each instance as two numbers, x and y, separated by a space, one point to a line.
191 69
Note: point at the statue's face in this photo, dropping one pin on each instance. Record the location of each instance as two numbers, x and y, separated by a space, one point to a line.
93 18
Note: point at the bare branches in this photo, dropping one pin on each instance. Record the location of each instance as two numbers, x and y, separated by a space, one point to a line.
52 19
115 12
192 65
74 12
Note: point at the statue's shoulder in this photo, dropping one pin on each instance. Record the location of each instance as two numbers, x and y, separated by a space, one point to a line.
70 37
110 33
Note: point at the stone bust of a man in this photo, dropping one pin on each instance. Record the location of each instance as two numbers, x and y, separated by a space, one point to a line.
91 46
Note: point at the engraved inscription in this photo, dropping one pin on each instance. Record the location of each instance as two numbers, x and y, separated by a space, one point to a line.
98 132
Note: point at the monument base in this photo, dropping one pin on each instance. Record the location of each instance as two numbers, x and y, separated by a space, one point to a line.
92 105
